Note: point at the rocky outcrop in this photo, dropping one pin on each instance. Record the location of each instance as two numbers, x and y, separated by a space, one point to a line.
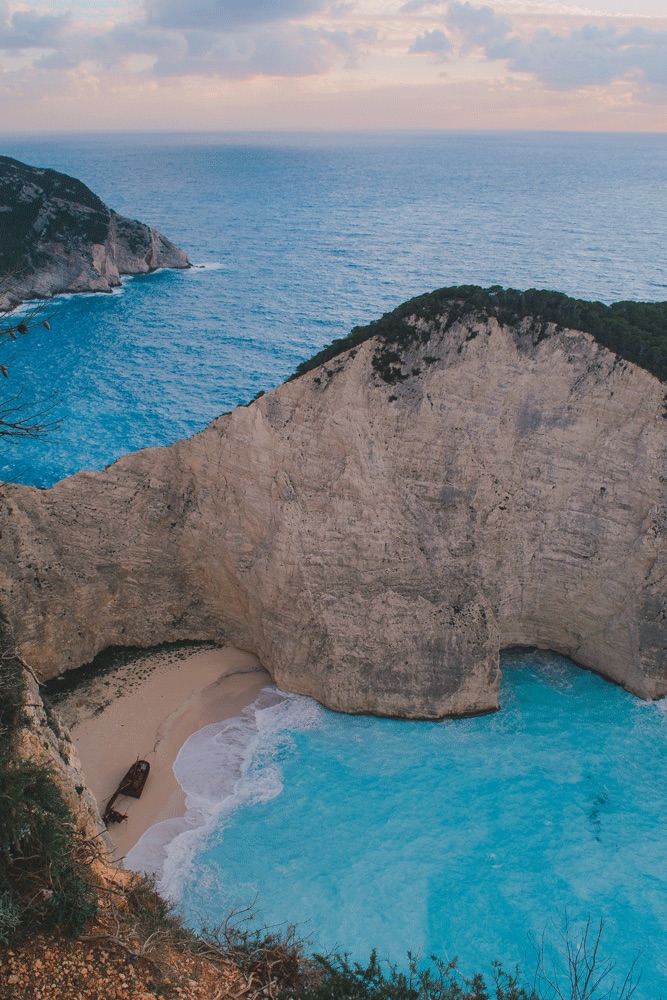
45 741
378 529
57 236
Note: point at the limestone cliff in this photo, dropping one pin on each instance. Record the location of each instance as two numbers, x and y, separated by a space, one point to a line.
57 236
379 528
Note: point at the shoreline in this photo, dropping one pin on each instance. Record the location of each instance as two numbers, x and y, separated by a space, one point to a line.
147 708
39 301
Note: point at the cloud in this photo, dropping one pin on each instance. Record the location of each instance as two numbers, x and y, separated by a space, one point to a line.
589 56
436 42
206 38
649 48
226 15
413 5
479 27
285 51
592 55
25 29
247 39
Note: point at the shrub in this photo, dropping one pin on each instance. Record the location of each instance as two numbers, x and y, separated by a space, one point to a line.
340 979
10 917
43 880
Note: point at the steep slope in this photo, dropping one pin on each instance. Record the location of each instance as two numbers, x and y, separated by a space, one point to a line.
57 236
379 528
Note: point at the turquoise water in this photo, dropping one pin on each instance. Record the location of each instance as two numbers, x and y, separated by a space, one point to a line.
305 236
459 838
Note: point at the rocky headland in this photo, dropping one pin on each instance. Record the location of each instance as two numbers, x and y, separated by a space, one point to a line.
455 479
57 236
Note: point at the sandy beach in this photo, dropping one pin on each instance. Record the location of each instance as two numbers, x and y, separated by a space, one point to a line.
147 709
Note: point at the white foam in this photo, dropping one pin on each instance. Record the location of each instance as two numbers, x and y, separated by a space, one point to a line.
116 290
47 304
220 768
215 265
29 305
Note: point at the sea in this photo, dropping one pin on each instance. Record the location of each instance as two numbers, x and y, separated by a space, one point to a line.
299 237
479 838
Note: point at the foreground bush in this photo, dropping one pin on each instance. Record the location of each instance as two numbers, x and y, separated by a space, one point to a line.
340 979
45 878
570 964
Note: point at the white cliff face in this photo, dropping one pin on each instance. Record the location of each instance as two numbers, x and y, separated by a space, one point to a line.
376 545
57 236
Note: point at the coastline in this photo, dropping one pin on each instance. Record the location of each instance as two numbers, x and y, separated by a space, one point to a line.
147 709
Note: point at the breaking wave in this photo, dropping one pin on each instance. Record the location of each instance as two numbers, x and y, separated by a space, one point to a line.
220 768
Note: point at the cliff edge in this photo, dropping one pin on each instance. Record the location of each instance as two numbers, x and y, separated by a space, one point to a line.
379 528
57 236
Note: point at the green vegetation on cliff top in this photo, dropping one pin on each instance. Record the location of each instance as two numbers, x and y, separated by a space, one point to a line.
636 331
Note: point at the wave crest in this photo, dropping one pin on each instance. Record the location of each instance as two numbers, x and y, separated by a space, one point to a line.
221 768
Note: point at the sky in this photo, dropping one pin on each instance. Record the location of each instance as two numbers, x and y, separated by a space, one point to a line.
333 64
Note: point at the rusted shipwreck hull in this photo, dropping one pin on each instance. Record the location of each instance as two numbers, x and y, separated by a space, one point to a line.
131 784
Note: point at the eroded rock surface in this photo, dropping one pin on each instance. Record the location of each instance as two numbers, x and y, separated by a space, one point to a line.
375 544
57 236
45 741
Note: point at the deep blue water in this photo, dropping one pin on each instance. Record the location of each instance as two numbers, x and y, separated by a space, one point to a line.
307 236
467 837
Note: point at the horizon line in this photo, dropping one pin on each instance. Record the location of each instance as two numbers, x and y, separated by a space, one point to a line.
347 130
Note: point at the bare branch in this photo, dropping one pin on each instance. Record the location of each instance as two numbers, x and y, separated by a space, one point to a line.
574 968
24 419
